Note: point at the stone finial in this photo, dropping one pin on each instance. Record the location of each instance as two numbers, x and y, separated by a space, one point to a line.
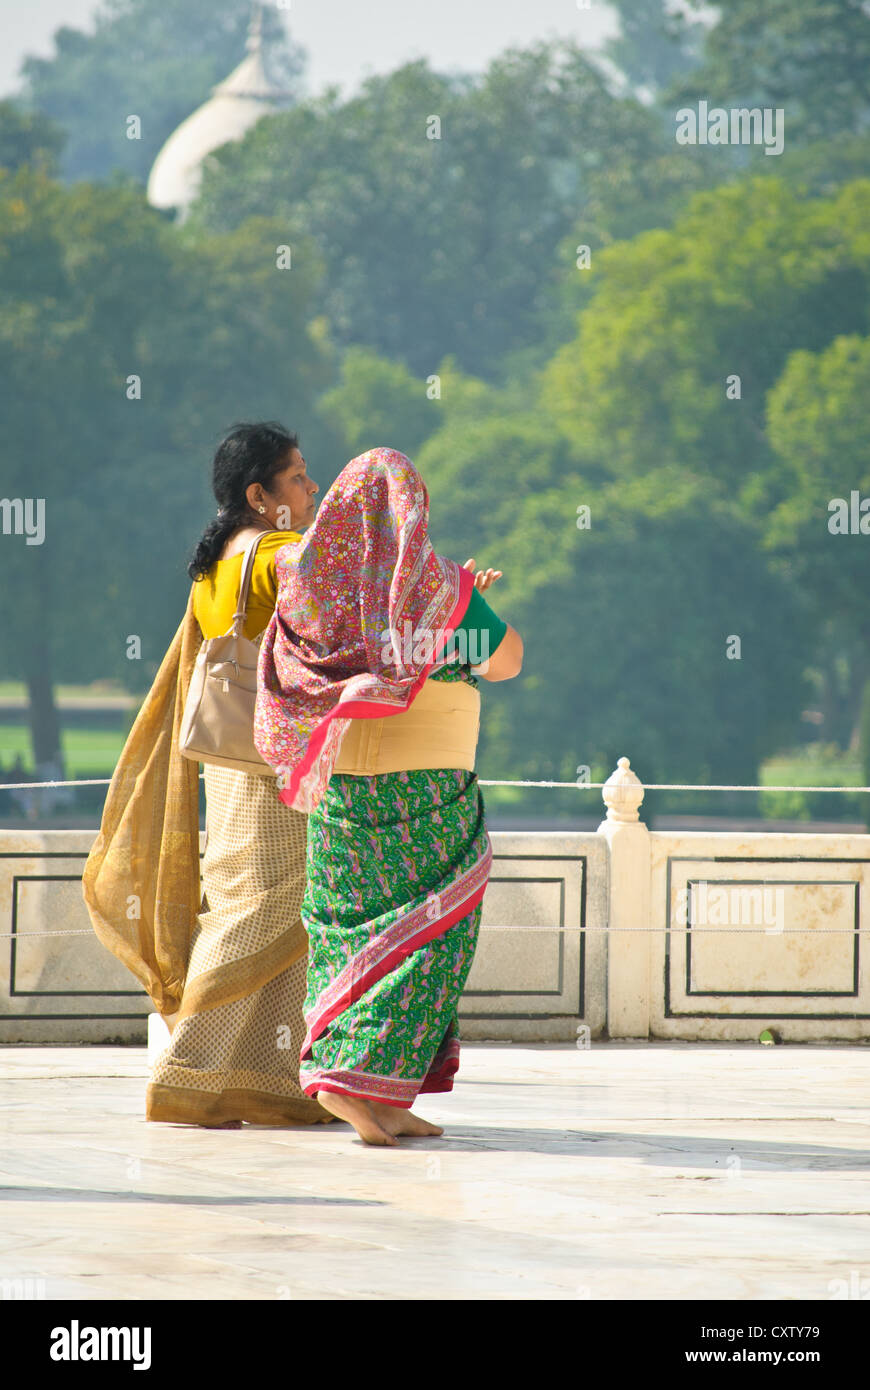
254 41
622 793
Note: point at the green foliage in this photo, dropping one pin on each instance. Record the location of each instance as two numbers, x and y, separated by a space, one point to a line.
823 166
759 280
27 137
818 417
99 288
437 246
747 274
865 734
156 61
810 57
654 44
818 422
378 402
625 623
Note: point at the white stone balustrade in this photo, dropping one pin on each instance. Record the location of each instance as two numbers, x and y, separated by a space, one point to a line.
620 932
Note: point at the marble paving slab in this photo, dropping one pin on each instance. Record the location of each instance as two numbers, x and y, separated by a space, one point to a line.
659 1170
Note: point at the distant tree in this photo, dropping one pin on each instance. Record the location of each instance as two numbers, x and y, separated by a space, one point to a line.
822 166
155 61
690 327
655 43
379 402
818 425
810 57
125 349
440 204
626 612
632 652
687 338
27 137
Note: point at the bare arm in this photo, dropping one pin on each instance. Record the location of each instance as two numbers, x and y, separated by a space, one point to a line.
506 661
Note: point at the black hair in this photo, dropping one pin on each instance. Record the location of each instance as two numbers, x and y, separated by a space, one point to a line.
249 453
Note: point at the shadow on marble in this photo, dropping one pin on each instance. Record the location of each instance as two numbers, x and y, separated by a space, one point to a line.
90 1194
664 1148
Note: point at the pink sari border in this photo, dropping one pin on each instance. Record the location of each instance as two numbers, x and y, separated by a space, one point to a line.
363 1086
441 1078
398 1091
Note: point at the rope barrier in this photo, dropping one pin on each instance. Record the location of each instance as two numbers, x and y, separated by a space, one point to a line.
676 787
566 931
26 935
487 782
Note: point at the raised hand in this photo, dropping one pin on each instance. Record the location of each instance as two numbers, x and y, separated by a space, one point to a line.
483 578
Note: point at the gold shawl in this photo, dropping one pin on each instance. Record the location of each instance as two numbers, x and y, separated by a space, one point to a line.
141 880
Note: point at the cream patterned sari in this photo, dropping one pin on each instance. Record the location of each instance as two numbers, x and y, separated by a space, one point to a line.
231 961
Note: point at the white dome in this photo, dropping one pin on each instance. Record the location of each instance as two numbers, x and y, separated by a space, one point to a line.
235 106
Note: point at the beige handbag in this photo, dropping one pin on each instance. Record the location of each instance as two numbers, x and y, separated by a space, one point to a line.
218 721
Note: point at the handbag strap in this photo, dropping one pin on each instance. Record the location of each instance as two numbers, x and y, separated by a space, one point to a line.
245 583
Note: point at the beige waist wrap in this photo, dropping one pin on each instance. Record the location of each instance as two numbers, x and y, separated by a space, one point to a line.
439 730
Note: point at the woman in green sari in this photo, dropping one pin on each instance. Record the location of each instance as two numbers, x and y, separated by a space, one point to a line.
368 710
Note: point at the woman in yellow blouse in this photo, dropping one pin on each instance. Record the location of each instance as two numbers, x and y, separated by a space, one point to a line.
238 1059
222 953
225 966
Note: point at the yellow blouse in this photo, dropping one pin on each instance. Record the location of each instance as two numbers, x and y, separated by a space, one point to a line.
216 595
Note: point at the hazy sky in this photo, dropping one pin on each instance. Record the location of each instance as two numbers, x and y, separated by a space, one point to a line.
350 39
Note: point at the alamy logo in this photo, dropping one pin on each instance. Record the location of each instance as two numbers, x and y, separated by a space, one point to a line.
24 516
855 1287
27 1287
702 904
75 1343
850 518
423 645
738 125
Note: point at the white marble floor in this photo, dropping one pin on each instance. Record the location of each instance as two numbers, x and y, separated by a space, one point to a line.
625 1171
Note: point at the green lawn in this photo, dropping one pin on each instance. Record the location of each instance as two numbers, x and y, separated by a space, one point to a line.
816 765
18 690
87 752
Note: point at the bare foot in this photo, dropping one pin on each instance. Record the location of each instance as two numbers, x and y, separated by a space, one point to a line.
357 1113
395 1120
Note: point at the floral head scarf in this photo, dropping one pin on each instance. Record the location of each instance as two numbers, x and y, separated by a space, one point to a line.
363 610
